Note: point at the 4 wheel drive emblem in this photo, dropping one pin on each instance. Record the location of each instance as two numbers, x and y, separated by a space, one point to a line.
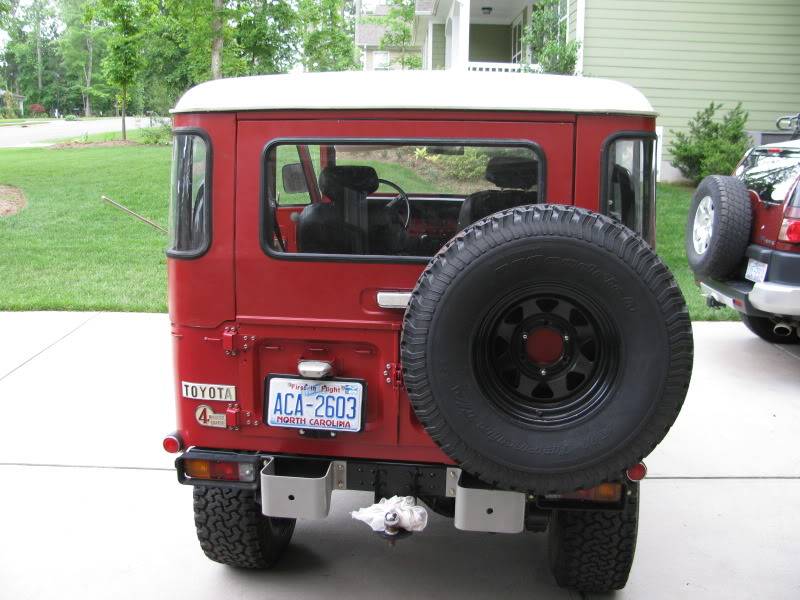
205 415
208 391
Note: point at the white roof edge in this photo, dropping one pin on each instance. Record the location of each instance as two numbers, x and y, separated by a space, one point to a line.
442 90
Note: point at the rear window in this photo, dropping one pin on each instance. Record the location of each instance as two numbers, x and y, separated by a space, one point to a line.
770 172
382 199
190 197
629 184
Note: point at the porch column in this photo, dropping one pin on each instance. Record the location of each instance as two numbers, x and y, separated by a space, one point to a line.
461 58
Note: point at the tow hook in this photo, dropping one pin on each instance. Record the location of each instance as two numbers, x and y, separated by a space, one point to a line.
391 528
394 518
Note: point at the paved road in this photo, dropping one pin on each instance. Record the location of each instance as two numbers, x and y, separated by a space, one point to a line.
89 505
42 134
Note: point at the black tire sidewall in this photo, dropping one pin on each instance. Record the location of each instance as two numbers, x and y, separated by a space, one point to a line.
614 288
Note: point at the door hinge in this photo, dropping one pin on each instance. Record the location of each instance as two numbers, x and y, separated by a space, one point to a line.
394 375
233 343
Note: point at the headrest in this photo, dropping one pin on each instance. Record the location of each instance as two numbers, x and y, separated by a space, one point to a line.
334 181
512 172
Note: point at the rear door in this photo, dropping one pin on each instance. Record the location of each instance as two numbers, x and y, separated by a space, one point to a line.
300 307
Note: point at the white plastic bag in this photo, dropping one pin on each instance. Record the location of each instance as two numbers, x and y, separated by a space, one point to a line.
411 516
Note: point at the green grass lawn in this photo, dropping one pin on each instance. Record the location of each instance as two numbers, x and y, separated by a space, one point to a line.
69 251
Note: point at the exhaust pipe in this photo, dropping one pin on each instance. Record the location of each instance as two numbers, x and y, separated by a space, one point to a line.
783 329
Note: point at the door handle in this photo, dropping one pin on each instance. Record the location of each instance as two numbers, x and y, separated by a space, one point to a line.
396 300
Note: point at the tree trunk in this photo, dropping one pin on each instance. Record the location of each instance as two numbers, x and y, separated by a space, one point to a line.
39 61
124 107
87 77
216 41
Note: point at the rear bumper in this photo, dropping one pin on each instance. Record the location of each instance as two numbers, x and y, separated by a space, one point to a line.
776 298
779 295
300 487
755 299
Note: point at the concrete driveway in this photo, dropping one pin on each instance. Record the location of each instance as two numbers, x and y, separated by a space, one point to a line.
43 134
90 507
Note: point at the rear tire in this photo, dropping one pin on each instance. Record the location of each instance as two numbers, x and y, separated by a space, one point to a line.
592 550
546 348
232 530
762 327
718 227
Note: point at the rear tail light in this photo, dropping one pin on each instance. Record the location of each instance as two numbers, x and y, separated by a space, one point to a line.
790 231
605 492
221 470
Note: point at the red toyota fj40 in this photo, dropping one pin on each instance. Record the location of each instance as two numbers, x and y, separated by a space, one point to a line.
429 284
743 241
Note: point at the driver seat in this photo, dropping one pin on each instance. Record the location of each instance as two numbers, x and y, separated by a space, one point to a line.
338 226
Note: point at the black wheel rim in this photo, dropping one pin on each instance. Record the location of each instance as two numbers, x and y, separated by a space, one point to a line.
547 356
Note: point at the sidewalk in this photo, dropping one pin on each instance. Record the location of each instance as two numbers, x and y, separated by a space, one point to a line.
90 507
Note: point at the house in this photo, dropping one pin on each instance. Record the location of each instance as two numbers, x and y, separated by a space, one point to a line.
19 101
369 34
682 54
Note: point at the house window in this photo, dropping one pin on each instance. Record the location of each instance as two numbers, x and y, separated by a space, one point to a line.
563 16
516 40
380 61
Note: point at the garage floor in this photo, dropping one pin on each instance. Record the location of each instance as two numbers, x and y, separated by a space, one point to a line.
89 506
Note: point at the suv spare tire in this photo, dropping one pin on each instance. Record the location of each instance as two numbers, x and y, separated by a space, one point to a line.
718 227
546 348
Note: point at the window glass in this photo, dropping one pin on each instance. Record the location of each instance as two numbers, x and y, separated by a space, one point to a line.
388 199
380 61
630 184
770 172
190 196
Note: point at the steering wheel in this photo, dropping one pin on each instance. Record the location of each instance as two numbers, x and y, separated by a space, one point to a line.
401 197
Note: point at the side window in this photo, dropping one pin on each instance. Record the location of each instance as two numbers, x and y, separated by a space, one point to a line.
190 198
629 178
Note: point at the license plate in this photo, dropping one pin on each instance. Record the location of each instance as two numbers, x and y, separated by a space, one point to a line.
756 270
334 405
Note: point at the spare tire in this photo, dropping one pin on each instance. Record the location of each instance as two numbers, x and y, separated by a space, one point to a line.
546 348
718 227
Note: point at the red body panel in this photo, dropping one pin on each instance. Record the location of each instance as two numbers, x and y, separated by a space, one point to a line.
767 220
285 310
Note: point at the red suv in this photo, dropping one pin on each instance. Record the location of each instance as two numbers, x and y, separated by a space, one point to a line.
436 285
743 241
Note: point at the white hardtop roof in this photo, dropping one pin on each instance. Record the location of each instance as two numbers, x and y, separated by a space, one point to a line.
456 90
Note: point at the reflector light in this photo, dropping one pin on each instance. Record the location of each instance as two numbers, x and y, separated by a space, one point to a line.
172 444
790 231
636 472
223 470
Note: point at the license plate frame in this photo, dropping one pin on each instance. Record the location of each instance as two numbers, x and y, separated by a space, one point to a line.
312 421
756 270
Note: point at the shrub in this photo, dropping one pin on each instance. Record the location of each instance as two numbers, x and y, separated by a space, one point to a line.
37 110
9 109
158 136
70 118
470 165
712 146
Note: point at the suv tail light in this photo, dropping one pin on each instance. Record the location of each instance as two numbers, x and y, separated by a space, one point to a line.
196 468
790 228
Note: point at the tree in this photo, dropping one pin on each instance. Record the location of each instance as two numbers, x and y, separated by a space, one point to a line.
546 38
267 39
123 60
327 35
398 34
83 41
